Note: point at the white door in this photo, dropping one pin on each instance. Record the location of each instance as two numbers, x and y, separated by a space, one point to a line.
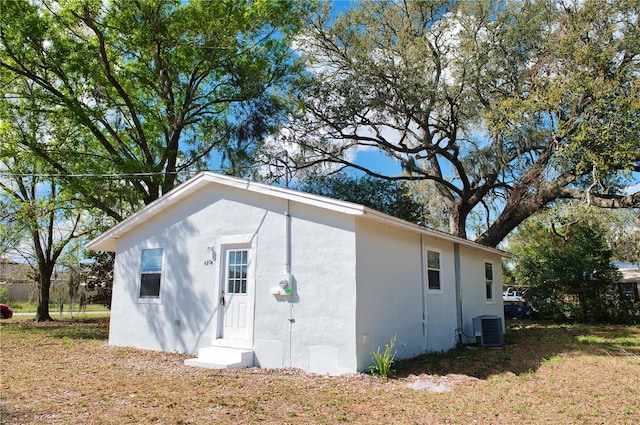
234 295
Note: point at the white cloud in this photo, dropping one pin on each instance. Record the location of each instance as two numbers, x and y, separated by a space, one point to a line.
629 190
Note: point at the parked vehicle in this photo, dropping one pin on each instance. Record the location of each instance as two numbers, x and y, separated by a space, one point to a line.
515 305
517 309
5 312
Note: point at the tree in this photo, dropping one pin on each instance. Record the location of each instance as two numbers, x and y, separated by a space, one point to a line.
623 234
152 87
505 106
47 219
563 258
391 198
97 273
35 208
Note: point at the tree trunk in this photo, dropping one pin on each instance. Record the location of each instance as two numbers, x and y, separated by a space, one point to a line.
457 223
458 219
44 286
45 271
508 220
528 196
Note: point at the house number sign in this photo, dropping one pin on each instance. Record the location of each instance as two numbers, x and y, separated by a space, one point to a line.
208 262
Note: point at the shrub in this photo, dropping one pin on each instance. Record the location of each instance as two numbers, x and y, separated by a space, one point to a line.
4 295
382 363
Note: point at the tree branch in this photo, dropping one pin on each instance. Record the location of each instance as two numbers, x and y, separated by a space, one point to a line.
602 200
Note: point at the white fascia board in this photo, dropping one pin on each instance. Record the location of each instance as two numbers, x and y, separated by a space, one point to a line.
289 194
436 234
108 240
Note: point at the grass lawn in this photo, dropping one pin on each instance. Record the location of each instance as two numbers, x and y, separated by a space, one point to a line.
31 307
65 373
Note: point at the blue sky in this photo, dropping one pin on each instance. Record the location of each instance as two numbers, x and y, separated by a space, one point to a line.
378 161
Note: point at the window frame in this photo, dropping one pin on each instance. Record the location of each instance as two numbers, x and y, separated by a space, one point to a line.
231 278
440 288
489 283
632 295
159 271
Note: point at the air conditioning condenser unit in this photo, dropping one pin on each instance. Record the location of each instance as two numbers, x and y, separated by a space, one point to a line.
488 330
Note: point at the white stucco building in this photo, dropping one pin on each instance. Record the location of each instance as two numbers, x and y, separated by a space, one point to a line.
246 274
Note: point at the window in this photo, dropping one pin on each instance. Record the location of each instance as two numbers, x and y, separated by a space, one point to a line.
629 290
151 273
433 271
238 261
488 280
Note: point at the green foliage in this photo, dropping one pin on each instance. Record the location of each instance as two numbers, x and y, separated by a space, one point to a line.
4 295
134 95
623 233
41 218
149 88
98 275
389 197
565 262
383 362
504 106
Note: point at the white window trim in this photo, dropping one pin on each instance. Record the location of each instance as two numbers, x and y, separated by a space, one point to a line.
226 278
493 281
151 300
426 270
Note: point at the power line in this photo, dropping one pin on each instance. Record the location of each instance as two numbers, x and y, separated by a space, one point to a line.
109 175
113 175
4 174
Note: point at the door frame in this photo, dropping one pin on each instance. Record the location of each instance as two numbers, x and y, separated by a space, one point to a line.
222 245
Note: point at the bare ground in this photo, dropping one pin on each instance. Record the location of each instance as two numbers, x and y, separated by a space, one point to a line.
65 373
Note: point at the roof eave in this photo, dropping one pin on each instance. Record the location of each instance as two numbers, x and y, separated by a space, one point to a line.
397 222
108 240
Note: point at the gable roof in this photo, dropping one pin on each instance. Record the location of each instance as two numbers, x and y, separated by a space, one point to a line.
108 240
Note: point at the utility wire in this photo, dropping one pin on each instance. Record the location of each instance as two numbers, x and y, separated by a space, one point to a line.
45 175
109 175
4 174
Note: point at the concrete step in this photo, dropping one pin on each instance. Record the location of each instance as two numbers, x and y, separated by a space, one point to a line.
222 358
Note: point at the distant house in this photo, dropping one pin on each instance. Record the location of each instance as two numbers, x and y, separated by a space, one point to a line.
246 274
629 282
17 279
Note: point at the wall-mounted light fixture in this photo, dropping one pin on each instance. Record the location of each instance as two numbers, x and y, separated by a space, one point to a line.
212 256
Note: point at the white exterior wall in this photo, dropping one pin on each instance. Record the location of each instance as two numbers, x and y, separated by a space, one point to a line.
389 291
393 294
441 305
186 316
472 280
358 278
320 336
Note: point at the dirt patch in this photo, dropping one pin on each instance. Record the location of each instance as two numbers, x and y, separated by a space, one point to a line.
65 373
438 384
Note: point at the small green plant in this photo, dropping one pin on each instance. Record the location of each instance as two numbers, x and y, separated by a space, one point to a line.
4 295
382 363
